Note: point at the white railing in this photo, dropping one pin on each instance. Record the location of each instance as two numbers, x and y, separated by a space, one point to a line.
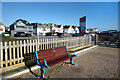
15 52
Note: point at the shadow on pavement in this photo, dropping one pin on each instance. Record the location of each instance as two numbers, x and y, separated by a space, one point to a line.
110 46
30 62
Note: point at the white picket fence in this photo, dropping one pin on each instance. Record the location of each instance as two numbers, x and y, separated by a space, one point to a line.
14 52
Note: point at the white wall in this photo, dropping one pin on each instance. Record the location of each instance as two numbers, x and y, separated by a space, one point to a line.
3 29
59 30
41 31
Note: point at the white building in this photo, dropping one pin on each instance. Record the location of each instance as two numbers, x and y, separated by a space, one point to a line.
40 28
68 29
59 29
2 28
75 29
21 26
94 30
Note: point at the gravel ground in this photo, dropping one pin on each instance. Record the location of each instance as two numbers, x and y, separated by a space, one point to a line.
102 62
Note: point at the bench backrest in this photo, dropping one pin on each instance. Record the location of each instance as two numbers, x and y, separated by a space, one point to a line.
53 53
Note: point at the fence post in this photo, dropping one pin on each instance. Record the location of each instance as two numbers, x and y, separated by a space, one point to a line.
47 43
40 44
51 42
90 39
55 42
1 54
36 45
96 39
21 53
43 44
33 42
30 49
14 52
10 53
6 55
25 49
18 51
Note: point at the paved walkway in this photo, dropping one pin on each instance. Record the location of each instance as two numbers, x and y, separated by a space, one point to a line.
102 62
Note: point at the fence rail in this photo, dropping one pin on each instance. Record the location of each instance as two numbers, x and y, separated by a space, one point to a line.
15 52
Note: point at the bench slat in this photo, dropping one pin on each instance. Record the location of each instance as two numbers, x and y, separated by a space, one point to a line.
52 54
52 63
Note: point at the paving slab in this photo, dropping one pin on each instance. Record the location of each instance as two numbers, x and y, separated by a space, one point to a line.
102 62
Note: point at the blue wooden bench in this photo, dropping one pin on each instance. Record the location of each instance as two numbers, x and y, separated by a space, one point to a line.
50 57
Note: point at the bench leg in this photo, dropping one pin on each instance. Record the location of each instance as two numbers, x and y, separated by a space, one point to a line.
42 70
71 61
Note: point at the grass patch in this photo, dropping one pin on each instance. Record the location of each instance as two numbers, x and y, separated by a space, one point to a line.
14 70
7 39
17 69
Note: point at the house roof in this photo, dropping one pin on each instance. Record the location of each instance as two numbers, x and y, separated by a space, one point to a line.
73 27
1 24
7 28
24 21
66 26
58 26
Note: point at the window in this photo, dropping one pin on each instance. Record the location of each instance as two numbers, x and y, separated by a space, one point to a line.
40 24
44 29
30 31
20 27
30 27
1 29
20 23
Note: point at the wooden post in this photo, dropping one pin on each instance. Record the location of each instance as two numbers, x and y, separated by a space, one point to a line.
51 42
81 41
1 53
10 53
47 43
78 41
40 44
33 45
56 41
25 49
30 46
63 41
36 45
6 55
96 37
43 44
74 42
14 52
30 49
70 42
67 41
90 39
17 51
21 53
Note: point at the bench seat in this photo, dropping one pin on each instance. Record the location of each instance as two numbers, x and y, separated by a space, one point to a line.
52 63
50 57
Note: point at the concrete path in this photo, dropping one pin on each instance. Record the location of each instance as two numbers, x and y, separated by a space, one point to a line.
102 62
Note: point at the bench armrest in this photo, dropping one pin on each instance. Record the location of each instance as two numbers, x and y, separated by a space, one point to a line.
73 52
45 62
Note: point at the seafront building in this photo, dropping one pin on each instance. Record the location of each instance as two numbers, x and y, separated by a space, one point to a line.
2 28
21 26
